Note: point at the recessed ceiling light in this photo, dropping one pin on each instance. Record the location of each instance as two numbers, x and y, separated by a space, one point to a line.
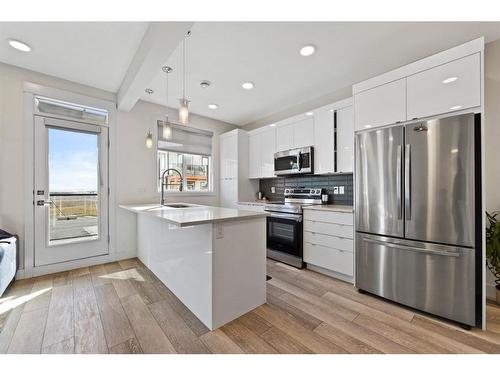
20 46
149 91
272 125
213 106
309 113
205 84
450 80
455 107
247 85
307 50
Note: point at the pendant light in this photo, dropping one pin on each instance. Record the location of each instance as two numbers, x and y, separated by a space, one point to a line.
149 135
183 108
167 126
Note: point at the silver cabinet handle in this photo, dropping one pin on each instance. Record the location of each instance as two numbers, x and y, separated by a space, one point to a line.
408 182
398 182
412 248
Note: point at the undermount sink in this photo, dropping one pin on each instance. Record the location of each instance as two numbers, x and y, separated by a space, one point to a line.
179 205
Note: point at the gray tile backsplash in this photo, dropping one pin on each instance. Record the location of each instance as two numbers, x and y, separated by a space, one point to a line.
326 182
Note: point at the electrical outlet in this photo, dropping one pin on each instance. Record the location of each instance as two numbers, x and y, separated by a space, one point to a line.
273 189
219 232
335 190
341 190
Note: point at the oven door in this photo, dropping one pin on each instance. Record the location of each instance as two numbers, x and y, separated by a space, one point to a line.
284 233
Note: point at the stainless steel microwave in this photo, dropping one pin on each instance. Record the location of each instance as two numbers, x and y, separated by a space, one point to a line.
295 161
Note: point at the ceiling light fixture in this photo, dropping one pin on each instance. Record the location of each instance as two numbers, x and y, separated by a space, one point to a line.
149 135
247 85
167 127
184 103
205 84
309 113
213 106
20 46
307 50
450 80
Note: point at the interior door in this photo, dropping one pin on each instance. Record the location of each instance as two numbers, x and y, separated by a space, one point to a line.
71 190
439 180
379 182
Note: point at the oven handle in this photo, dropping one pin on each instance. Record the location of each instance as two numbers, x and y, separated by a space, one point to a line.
297 218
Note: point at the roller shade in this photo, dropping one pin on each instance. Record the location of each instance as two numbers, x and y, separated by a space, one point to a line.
185 139
69 110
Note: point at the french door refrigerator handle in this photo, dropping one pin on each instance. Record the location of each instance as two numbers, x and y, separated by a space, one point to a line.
408 181
413 248
398 182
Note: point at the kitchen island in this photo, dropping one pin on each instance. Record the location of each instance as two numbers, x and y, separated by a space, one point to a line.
212 258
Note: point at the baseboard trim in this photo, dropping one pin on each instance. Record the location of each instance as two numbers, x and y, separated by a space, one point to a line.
336 275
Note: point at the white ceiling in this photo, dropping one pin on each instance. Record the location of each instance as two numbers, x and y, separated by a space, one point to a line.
97 54
228 54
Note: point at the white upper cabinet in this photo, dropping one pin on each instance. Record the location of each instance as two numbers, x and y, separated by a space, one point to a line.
229 156
267 150
303 133
262 146
345 139
254 165
445 88
323 141
284 137
381 105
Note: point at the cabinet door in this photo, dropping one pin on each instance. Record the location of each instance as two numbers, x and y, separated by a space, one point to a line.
229 156
284 137
445 88
267 150
229 193
303 133
254 156
323 142
382 105
345 139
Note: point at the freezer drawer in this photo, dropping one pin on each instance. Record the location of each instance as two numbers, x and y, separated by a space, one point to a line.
437 279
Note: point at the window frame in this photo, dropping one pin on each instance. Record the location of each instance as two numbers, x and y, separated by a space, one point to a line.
185 191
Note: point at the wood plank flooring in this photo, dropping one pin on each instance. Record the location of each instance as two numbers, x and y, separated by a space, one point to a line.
122 307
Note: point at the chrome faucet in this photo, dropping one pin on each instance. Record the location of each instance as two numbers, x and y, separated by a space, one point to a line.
163 184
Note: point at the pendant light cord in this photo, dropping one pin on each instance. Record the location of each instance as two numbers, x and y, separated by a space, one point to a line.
184 67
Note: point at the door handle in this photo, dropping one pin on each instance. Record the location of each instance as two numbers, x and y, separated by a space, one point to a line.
413 248
44 203
408 181
398 182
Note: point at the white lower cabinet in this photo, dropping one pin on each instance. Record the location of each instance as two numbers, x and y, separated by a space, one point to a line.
328 240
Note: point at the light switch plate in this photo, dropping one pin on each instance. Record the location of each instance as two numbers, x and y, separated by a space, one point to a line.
341 190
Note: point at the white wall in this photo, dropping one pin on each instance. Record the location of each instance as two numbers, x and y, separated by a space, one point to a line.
136 165
492 134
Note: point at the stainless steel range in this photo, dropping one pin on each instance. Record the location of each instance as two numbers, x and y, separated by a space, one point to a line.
284 225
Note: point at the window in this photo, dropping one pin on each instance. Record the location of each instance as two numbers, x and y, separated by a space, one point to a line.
187 150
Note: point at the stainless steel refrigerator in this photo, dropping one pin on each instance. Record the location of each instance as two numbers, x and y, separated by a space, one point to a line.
417 194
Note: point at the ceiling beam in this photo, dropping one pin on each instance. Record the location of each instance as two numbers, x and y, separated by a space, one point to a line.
159 42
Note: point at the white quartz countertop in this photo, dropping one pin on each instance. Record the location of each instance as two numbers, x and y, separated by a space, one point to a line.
330 207
192 215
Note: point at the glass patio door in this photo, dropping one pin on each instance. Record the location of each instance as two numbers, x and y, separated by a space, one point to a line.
71 190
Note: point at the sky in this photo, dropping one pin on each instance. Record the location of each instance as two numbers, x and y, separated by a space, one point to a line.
72 161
